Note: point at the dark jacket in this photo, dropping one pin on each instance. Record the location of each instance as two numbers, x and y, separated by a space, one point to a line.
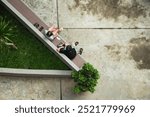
69 52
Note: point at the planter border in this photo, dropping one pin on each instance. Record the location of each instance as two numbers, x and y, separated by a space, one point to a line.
28 19
35 73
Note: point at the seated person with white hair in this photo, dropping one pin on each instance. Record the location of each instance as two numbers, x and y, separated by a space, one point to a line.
52 33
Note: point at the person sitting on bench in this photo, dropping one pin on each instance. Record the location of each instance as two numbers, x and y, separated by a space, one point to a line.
52 32
67 50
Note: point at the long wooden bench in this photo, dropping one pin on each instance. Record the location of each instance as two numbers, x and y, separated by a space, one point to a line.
28 19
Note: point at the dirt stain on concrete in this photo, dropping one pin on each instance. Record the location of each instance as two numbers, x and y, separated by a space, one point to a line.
110 9
115 48
140 52
115 51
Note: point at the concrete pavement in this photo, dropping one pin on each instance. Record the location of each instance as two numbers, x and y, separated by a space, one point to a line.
121 55
29 88
104 13
111 52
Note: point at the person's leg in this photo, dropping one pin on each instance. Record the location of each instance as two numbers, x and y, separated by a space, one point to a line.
76 43
53 28
55 32
60 49
61 44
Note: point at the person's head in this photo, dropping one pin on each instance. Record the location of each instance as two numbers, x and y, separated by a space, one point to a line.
69 47
49 33
76 43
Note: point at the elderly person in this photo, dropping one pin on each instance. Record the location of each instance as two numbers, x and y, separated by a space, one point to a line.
52 32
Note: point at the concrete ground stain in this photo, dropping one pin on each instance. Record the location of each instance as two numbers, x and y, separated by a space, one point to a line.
109 9
140 52
138 49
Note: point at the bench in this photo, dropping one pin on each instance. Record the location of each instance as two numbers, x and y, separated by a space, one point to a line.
28 19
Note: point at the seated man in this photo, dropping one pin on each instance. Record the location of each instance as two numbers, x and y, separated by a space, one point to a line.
67 50
52 32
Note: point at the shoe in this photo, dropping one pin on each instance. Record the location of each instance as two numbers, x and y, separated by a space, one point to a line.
81 51
76 43
36 25
41 28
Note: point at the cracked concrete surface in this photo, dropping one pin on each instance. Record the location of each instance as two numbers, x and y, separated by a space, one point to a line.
121 55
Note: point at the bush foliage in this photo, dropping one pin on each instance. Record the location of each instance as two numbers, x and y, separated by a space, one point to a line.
86 79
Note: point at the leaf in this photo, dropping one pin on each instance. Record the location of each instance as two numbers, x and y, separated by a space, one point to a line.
6 31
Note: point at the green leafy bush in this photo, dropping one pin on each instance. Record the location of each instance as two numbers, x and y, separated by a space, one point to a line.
6 32
86 79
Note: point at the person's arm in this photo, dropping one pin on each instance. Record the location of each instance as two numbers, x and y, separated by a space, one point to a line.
58 49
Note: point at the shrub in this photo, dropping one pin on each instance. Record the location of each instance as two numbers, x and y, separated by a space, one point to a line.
6 32
86 79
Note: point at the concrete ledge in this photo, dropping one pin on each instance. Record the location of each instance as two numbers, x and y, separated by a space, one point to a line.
35 73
